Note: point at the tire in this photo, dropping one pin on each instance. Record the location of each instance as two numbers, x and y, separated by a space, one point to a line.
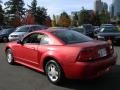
5 39
9 56
54 72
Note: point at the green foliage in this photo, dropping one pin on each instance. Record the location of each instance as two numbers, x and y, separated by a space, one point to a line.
64 20
83 17
13 6
1 14
54 23
104 17
33 6
40 13
14 9
75 20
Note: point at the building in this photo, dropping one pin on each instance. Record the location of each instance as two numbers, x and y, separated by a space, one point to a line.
111 11
100 6
105 7
116 7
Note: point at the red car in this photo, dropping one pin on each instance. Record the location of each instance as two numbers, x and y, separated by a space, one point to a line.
62 53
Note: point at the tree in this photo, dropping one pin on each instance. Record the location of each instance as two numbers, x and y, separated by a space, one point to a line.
104 17
96 20
33 7
75 20
48 22
64 20
1 14
54 22
40 13
29 18
83 17
14 8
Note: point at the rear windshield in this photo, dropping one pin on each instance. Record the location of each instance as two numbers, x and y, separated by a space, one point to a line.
71 37
110 29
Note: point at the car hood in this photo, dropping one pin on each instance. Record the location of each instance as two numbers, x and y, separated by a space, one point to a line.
18 33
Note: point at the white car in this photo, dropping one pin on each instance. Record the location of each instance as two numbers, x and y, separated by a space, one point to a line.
23 30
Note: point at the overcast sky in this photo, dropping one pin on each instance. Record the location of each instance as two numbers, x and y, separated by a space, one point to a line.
58 6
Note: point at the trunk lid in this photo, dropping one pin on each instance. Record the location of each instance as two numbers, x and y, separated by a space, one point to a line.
92 50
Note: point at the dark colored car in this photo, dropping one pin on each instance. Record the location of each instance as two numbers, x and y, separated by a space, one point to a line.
62 53
4 34
89 30
5 27
109 33
79 29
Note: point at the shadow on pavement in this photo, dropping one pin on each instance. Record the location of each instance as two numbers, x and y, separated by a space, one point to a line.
110 81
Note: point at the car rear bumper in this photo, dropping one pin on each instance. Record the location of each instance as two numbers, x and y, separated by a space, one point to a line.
89 70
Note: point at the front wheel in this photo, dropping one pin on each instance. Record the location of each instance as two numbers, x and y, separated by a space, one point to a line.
9 56
54 72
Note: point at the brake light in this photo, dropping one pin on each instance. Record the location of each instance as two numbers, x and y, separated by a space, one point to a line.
85 55
111 49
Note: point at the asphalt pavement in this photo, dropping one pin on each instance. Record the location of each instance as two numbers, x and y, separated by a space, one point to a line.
18 77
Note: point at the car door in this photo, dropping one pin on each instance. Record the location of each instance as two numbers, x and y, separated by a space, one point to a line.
28 51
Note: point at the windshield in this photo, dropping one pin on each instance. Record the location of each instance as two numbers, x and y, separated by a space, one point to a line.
71 37
22 29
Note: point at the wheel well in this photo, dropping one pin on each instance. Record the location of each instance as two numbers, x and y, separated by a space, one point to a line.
46 60
7 48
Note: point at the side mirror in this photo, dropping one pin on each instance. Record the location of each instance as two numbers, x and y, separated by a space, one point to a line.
19 42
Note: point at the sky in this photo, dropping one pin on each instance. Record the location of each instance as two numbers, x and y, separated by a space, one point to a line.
58 6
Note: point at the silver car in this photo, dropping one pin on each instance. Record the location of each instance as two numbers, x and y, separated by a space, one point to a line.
23 30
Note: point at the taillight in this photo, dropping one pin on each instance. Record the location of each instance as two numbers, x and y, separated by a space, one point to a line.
111 49
85 55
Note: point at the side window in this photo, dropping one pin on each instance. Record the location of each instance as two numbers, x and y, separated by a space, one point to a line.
45 40
33 38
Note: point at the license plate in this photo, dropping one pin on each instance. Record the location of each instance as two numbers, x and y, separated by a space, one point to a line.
102 52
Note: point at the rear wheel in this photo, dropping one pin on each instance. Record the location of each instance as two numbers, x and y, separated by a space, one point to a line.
54 72
9 56
5 39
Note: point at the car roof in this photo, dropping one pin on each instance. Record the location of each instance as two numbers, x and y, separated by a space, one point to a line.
31 25
50 30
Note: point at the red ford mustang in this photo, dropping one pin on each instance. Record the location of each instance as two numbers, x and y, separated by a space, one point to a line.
62 53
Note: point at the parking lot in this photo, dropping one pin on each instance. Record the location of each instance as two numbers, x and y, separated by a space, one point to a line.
19 77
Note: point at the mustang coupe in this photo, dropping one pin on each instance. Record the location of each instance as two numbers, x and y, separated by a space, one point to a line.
62 54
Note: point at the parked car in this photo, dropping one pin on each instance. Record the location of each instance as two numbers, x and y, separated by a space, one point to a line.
23 30
5 33
62 53
5 27
79 29
109 33
106 25
89 30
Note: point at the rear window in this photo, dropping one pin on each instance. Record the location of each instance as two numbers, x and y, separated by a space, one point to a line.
71 37
109 29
